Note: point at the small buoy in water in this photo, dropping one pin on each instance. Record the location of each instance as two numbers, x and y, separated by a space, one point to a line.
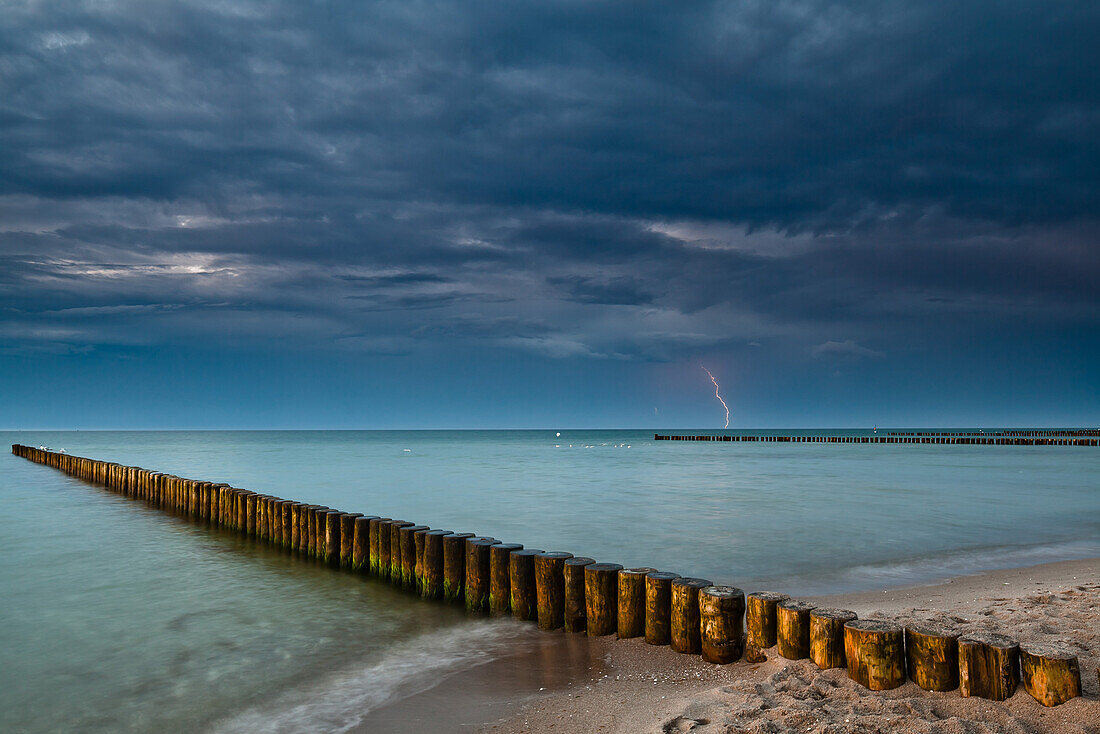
407 450
557 435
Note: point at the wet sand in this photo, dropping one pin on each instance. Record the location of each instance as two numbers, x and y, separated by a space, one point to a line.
608 685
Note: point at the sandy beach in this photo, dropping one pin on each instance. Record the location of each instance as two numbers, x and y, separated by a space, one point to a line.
634 687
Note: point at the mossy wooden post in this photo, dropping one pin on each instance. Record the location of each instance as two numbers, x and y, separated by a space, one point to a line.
760 617
395 576
454 566
305 538
500 586
684 632
375 549
347 537
408 555
792 627
330 553
601 598
875 650
477 574
284 522
320 530
250 514
295 525
1050 673
433 564
360 543
988 665
658 607
827 637
418 567
521 583
721 609
932 656
575 613
631 602
550 589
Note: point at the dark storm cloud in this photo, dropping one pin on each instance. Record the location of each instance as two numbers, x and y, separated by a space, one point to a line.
579 178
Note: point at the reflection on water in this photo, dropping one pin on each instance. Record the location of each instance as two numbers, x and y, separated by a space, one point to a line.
116 617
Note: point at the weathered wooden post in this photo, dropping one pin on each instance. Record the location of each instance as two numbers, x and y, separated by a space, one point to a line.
521 582
827 636
720 611
658 607
550 588
454 566
1050 673
396 575
500 585
631 602
433 564
575 615
601 598
320 531
250 514
932 656
407 538
360 543
375 550
875 651
684 634
330 552
347 537
760 617
477 574
418 551
792 626
988 665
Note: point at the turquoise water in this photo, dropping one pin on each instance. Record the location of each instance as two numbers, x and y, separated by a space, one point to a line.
119 618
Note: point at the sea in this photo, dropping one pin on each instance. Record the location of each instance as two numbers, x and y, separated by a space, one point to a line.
115 617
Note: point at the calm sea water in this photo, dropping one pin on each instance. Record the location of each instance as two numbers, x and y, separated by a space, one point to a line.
116 617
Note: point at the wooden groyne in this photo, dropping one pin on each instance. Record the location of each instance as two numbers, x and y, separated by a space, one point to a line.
560 591
923 438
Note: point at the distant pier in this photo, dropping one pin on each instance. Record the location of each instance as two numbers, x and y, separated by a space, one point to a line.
1004 438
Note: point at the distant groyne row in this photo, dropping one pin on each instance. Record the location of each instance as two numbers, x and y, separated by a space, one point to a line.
1015 432
560 591
961 440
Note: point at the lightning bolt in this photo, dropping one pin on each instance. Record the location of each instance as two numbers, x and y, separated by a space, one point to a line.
718 395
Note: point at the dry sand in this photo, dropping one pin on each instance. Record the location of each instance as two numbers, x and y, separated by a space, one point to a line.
633 687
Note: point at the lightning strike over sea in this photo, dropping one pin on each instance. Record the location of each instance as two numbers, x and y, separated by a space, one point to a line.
718 395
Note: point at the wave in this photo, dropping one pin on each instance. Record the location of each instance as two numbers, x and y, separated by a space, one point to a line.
341 701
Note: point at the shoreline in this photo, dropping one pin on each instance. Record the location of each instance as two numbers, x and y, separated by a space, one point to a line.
582 684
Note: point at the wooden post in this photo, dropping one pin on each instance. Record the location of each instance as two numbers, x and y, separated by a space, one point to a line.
408 555
320 532
720 611
330 553
601 598
288 522
418 551
827 637
792 626
454 566
374 550
1050 673
250 514
658 607
988 665
476 587
875 650
433 564
684 632
500 585
760 617
575 614
932 656
360 543
550 588
395 575
347 537
631 602
521 582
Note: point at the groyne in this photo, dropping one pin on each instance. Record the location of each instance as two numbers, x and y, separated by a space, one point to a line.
921 438
560 591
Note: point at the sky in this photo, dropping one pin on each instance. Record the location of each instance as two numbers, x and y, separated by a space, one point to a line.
481 214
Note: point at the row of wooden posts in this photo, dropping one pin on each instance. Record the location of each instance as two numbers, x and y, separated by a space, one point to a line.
561 591
951 440
1014 432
